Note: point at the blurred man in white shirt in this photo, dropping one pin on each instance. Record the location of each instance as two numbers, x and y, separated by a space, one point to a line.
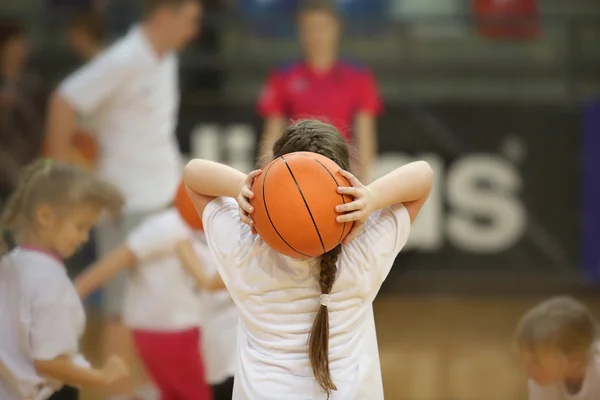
130 94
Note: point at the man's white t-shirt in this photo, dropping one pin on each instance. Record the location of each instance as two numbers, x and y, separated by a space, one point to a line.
590 390
41 318
131 97
278 299
160 294
219 325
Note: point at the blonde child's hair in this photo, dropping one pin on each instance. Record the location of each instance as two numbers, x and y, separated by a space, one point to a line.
560 323
60 186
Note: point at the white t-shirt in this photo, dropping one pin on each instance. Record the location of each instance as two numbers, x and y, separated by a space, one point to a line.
278 298
160 294
42 318
131 97
590 389
219 325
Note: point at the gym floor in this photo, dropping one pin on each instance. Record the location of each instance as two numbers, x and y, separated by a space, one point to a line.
435 348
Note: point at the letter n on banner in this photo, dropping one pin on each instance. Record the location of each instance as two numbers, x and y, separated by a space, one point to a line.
590 215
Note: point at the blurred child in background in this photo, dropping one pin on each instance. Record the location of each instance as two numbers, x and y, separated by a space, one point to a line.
558 342
161 307
219 317
50 213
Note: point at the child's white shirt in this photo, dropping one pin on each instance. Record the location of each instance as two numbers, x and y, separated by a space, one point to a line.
278 298
219 325
160 294
42 318
590 390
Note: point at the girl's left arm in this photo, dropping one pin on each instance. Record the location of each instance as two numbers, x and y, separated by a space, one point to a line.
206 180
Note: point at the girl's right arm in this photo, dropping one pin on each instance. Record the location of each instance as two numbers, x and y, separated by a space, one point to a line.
102 271
64 370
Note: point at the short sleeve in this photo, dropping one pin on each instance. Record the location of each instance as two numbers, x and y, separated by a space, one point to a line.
52 332
271 102
383 236
369 99
93 83
158 234
227 237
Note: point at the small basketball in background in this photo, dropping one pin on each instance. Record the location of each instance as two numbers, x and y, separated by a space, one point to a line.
186 208
294 205
85 150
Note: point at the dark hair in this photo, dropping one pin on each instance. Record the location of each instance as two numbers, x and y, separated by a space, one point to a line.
153 5
58 185
324 6
9 29
560 323
90 22
324 139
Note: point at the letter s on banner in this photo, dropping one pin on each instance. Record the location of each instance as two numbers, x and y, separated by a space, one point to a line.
498 204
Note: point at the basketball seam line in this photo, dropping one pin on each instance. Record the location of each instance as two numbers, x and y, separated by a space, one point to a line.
269 215
341 195
306 204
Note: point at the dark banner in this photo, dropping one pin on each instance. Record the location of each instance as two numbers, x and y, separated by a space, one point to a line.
591 192
506 195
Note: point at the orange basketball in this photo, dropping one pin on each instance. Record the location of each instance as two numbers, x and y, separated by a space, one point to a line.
186 208
294 205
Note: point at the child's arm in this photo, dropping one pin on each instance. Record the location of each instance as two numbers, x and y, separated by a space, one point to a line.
409 184
206 180
195 267
64 370
102 271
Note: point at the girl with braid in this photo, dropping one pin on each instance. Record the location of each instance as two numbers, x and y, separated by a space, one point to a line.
306 327
41 320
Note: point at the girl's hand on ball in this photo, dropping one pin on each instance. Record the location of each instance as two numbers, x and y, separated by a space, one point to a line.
243 199
357 211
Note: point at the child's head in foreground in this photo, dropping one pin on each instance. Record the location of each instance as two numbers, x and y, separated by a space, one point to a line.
557 339
55 206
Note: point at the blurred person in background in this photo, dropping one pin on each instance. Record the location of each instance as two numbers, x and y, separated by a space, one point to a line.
130 94
86 33
22 106
324 87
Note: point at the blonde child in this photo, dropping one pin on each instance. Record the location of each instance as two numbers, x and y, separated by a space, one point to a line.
558 342
306 327
42 319
161 306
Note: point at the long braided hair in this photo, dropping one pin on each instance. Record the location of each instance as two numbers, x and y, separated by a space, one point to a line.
324 139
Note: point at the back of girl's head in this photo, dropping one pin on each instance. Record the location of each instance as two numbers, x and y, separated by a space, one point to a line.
314 136
324 139
62 187
561 323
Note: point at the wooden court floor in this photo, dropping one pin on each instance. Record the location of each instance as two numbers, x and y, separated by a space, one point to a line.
436 348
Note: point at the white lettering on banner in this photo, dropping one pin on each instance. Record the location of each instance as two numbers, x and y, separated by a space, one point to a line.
498 204
484 215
